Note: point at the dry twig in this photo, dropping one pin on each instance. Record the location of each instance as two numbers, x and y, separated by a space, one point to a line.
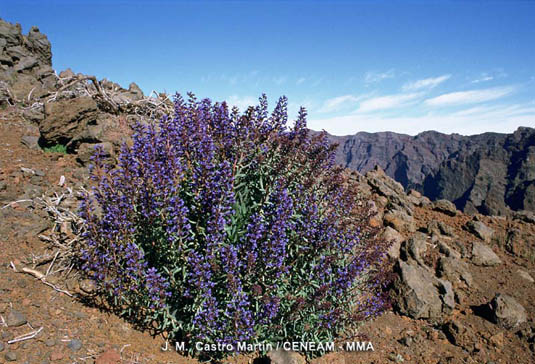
27 336
41 277
15 202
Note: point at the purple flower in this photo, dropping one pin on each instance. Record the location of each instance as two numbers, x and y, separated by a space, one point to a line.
224 227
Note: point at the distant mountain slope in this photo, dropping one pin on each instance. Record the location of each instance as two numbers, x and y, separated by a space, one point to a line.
488 173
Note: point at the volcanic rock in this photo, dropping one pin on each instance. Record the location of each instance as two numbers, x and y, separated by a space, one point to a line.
447 250
396 238
480 230
507 312
445 206
31 141
525 275
483 255
419 294
28 60
455 270
399 220
86 150
415 247
11 356
65 119
15 318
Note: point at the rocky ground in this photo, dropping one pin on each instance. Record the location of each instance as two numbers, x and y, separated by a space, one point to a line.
463 291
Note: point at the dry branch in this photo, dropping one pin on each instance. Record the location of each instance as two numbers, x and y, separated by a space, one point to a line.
41 277
27 336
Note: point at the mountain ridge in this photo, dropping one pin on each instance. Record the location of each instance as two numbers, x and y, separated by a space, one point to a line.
489 173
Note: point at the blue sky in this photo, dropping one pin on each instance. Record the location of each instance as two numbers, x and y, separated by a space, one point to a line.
404 66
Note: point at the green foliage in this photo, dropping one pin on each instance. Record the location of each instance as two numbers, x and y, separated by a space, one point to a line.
58 148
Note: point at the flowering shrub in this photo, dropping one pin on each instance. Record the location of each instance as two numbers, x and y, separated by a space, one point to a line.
226 228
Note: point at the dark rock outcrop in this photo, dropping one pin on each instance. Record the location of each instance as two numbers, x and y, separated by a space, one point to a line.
66 119
490 173
67 109
419 294
25 63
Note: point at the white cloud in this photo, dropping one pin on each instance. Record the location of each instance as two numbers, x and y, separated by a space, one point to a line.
500 118
427 83
484 78
387 102
340 102
373 77
242 102
499 110
494 74
300 80
470 97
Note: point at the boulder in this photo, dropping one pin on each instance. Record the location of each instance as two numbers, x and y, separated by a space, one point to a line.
25 84
393 236
135 92
418 294
436 227
415 197
525 275
415 248
65 119
447 250
445 206
447 295
484 256
445 229
507 312
454 270
35 115
480 230
68 73
31 141
414 193
383 184
399 220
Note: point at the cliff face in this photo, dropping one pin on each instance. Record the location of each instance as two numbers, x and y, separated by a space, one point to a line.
489 173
